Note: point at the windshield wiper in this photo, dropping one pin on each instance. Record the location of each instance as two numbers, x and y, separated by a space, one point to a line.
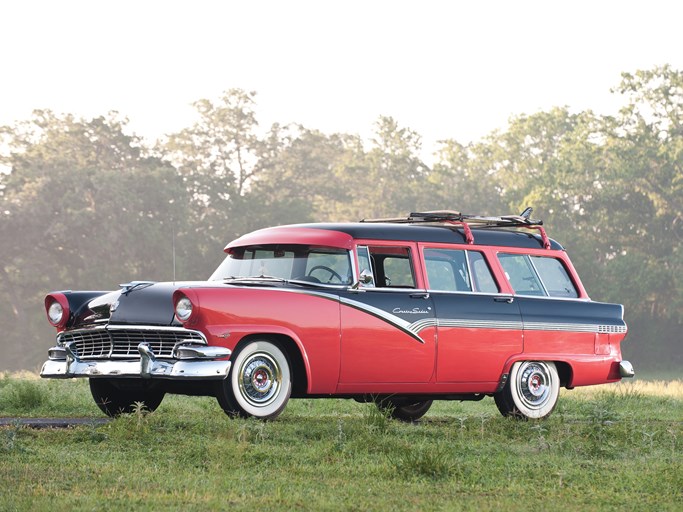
255 279
272 280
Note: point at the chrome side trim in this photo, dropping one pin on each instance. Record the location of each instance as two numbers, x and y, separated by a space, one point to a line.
480 324
597 328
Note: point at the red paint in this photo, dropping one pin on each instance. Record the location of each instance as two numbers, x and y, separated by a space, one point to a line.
64 302
294 235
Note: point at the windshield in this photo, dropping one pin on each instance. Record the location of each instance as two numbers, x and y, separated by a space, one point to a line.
291 262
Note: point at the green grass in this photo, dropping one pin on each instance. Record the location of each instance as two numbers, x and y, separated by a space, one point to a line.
604 448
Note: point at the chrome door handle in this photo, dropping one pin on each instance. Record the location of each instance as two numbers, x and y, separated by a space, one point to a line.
507 299
419 295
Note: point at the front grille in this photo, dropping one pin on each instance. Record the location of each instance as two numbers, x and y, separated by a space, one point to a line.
122 343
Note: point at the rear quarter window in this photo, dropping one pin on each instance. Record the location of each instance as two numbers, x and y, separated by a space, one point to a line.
537 275
555 277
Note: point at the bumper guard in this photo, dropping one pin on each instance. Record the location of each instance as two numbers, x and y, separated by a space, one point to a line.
626 369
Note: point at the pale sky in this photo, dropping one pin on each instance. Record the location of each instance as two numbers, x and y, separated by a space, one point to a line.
446 69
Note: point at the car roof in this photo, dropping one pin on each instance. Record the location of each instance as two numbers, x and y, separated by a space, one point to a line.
343 235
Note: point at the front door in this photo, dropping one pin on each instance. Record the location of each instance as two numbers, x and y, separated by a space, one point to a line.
387 325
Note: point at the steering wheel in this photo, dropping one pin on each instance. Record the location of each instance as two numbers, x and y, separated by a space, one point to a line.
333 274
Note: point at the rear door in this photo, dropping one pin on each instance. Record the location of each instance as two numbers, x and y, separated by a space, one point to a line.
479 327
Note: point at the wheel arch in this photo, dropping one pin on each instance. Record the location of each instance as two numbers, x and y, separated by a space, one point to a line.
300 370
564 369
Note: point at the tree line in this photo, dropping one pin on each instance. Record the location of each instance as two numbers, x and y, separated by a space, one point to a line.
86 204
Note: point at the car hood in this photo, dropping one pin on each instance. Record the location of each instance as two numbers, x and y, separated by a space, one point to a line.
136 303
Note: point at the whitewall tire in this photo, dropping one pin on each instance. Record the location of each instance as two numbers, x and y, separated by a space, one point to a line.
259 383
531 392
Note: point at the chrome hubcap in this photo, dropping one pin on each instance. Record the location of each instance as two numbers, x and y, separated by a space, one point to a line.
534 384
260 378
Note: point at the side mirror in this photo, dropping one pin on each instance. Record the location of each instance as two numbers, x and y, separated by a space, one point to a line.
365 277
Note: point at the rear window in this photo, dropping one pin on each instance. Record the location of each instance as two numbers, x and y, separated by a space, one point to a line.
537 276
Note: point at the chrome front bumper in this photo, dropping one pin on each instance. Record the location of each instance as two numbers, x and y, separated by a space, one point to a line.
192 362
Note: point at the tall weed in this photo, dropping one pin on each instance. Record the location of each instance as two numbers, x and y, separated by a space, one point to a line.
21 396
377 419
423 462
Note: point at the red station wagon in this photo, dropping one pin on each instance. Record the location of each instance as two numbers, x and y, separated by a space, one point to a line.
433 306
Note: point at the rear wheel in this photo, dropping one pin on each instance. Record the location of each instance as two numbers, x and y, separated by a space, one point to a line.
531 391
404 409
120 396
259 383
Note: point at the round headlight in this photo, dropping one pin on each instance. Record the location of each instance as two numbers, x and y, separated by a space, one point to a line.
183 309
55 313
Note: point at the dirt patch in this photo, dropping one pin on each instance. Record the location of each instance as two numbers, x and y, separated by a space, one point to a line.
53 422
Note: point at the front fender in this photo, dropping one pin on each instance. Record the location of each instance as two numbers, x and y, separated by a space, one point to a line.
323 379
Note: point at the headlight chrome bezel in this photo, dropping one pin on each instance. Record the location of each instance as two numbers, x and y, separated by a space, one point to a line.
184 309
55 313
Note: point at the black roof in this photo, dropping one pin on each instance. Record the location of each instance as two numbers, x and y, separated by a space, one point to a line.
437 233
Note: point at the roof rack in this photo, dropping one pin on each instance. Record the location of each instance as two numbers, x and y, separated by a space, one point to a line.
463 220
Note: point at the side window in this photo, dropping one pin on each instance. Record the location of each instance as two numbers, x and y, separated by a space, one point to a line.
555 277
439 274
537 275
521 274
459 271
364 264
392 267
447 270
481 273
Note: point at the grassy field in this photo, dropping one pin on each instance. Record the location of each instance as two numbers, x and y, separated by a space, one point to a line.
617 447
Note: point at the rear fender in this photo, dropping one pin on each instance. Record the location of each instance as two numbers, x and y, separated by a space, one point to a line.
564 368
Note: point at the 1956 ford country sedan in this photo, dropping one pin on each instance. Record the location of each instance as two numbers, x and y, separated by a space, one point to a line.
404 311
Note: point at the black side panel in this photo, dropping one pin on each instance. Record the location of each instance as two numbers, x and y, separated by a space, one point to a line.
78 305
571 315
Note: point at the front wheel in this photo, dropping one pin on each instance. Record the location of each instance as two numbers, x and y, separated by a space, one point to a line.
120 396
531 391
259 383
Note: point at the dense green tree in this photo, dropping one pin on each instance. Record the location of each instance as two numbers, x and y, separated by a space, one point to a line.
389 178
463 179
310 174
646 142
83 208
